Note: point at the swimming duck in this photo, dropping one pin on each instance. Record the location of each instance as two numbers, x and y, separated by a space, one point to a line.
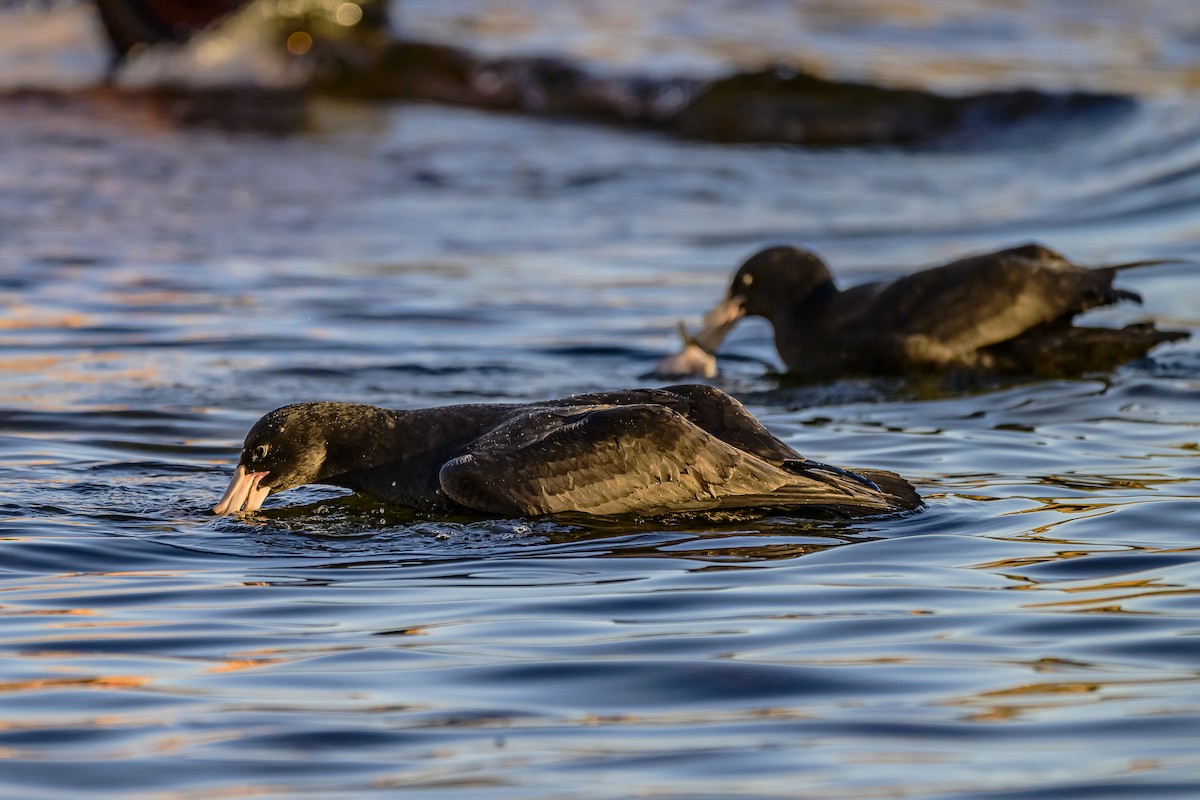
638 452
1010 311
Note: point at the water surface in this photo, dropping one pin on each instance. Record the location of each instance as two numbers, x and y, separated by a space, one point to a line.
1033 633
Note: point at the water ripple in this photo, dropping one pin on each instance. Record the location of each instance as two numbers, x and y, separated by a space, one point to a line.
1031 633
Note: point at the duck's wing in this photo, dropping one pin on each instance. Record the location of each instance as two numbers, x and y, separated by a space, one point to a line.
618 397
704 406
707 407
727 419
983 300
633 459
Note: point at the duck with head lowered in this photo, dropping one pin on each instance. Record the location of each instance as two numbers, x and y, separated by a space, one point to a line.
642 452
1007 312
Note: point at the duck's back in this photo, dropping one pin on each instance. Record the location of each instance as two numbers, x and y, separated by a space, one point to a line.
982 300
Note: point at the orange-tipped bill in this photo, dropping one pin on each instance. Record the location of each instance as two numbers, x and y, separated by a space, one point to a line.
721 319
244 493
697 356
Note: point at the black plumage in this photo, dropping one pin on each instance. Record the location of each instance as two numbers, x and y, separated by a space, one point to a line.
1010 311
637 451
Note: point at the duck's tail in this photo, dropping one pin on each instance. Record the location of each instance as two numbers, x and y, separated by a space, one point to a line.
1109 272
1149 262
902 494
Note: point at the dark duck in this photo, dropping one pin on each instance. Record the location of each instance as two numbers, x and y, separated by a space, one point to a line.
633 452
1007 312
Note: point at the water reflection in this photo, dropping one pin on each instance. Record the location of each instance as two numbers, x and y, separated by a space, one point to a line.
1032 633
350 524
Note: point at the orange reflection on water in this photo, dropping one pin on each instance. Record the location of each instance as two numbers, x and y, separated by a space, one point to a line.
47 382
242 664
1112 604
1025 561
1015 702
95 682
19 318
17 611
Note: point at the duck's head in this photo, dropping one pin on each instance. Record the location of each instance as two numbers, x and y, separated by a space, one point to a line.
284 449
766 285
776 277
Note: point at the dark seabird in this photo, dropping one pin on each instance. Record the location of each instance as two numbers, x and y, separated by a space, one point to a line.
1005 312
637 451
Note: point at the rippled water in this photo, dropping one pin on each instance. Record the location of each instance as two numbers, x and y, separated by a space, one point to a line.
1033 633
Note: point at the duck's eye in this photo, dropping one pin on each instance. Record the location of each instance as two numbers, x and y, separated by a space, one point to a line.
260 452
747 279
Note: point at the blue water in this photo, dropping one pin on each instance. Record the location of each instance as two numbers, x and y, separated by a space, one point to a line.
1033 633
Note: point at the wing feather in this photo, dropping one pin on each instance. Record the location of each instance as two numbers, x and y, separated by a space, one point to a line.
991 298
727 419
642 459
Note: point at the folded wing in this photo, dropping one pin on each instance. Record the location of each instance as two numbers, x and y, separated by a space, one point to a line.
636 459
987 299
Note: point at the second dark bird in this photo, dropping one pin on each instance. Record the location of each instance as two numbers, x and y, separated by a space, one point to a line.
1011 311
